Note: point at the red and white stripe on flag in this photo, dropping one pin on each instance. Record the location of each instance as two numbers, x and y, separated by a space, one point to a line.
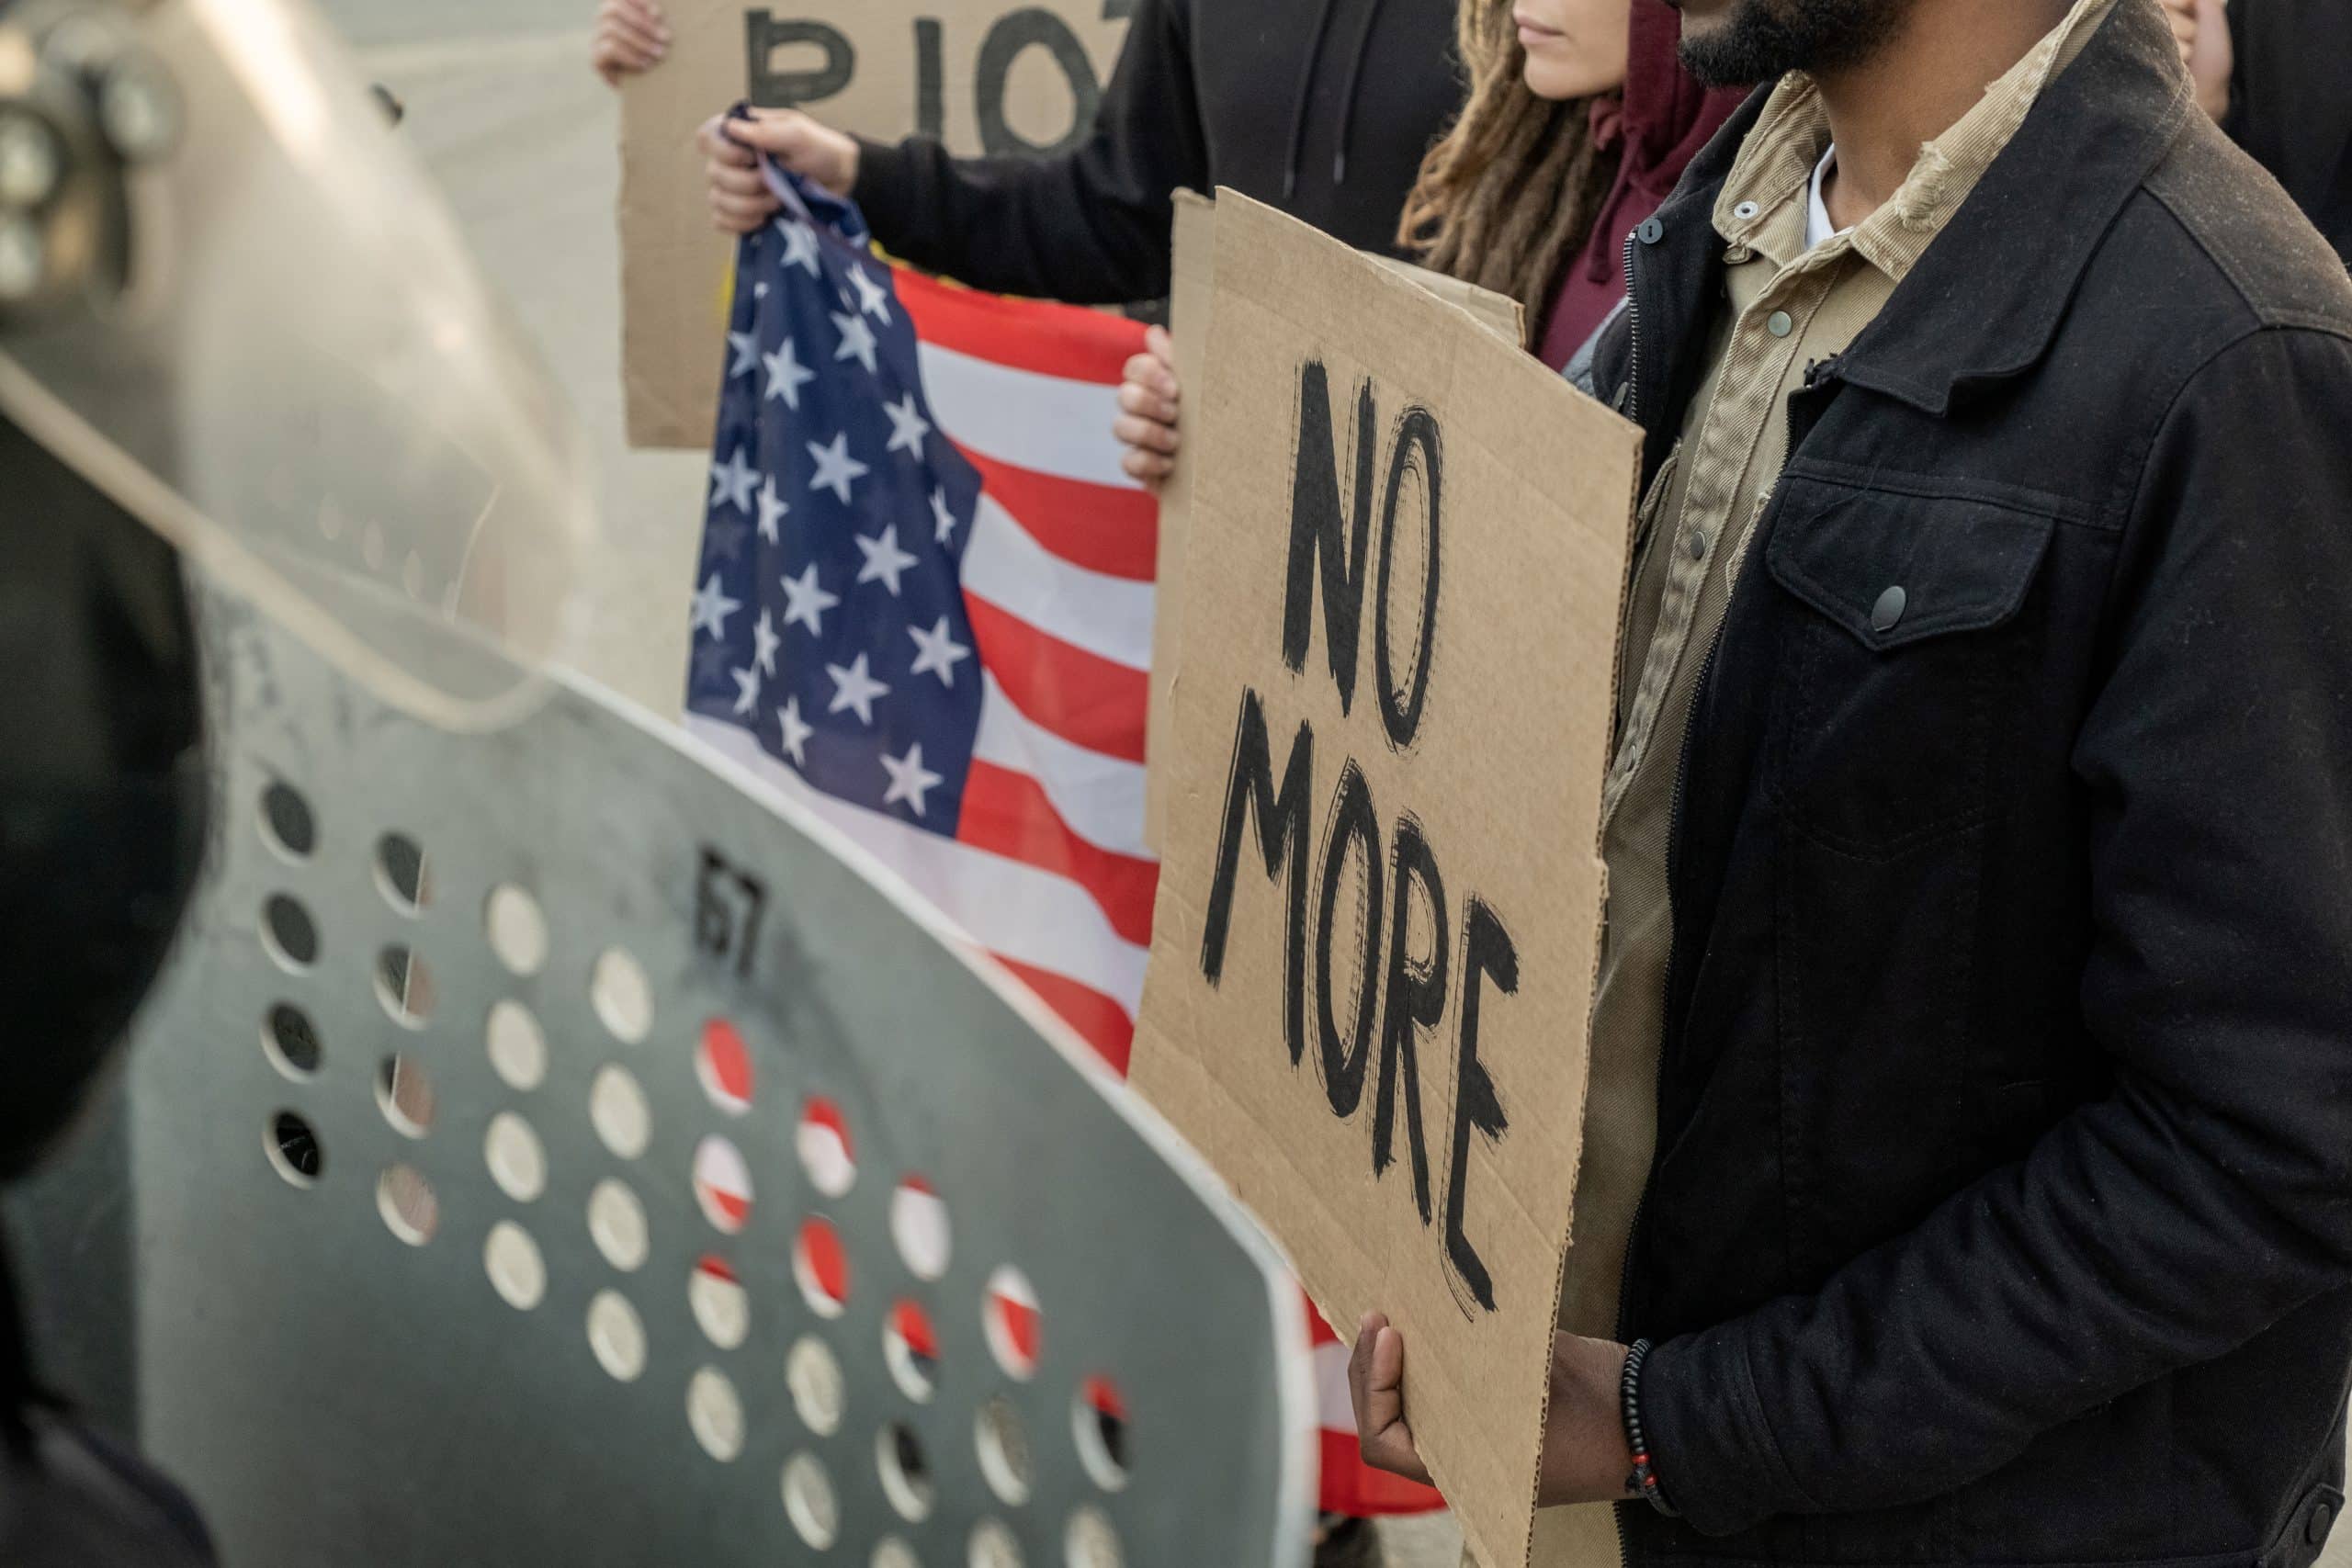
1058 580
1047 869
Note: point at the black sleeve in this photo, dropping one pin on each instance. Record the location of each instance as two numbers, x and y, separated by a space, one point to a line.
1090 226
2211 1192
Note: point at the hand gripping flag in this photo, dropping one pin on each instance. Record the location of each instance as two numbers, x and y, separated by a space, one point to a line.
924 610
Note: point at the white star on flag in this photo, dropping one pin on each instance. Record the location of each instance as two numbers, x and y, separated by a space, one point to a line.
747 353
760 289
786 375
747 689
836 469
799 244
796 731
732 482
884 559
857 340
943 518
806 601
772 510
855 688
908 426
873 300
712 606
937 652
765 642
909 779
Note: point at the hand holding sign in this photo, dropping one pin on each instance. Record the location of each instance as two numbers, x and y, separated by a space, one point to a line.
1149 397
631 36
1586 1458
1376 1388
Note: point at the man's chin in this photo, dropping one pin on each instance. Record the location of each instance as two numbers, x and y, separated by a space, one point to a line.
1702 16
1704 21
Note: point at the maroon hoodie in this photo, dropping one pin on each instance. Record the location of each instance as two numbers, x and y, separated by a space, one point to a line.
1665 118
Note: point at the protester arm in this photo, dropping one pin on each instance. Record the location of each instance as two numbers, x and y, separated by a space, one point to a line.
1091 225
2211 1192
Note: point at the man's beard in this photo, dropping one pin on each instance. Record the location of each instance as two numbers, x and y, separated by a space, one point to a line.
1762 40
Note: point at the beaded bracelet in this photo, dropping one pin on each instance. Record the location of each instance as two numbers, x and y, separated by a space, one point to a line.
1643 1483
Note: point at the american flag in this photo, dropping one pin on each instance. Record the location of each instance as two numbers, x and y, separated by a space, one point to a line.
924 610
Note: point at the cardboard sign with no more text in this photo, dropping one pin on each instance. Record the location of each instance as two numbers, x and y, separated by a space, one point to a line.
1378 924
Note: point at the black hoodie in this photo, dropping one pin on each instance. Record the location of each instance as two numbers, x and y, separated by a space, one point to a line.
2291 103
1321 107
69 1498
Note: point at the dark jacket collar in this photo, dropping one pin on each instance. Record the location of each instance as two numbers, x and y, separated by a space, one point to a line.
1657 352
1986 297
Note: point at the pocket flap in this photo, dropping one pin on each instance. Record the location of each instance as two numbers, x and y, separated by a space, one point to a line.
1893 568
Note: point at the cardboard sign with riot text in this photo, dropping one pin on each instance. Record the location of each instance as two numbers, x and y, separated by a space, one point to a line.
1379 908
995 76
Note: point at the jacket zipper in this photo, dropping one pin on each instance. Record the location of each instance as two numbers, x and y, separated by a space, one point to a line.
1633 409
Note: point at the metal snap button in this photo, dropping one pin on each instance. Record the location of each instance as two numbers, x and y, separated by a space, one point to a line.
1889 609
1697 543
2321 1516
1651 232
1779 324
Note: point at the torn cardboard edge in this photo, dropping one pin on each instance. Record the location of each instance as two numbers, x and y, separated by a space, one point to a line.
1499 313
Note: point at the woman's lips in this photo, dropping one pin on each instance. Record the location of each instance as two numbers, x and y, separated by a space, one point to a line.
1531 33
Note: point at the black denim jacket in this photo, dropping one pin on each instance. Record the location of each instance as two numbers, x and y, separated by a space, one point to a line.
2002 1210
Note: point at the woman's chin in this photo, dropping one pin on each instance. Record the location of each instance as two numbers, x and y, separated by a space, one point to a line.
1558 79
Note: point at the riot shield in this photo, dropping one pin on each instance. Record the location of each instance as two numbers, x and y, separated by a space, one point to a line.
544 1147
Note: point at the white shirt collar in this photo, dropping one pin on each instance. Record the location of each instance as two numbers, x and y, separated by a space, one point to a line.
1817 224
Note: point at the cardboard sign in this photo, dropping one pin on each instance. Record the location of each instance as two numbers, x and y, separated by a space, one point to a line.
1380 896
1190 298
984 76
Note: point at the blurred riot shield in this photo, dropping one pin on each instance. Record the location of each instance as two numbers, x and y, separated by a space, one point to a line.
545 1148
543 1145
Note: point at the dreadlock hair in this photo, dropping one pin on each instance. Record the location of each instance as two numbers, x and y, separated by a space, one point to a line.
1507 197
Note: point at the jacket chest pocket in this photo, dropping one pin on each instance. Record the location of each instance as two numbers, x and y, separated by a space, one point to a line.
1904 646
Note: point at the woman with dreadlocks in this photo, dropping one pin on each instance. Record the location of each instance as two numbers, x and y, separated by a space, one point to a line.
1579 121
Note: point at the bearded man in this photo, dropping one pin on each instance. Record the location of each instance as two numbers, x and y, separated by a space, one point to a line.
1968 1155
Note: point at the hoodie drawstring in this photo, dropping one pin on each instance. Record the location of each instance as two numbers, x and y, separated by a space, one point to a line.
1348 93
1298 105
